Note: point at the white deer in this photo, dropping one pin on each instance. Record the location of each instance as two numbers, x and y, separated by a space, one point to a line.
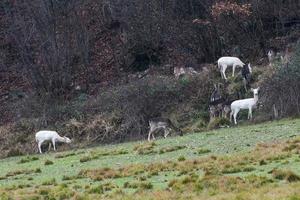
243 104
51 136
225 62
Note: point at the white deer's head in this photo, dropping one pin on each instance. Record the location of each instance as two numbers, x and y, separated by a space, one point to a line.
255 91
67 140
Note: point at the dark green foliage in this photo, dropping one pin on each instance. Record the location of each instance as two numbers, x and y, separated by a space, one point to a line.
49 182
96 190
203 151
181 158
48 162
65 155
28 159
85 159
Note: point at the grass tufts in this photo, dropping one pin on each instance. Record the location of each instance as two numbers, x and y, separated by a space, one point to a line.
28 159
48 162
287 175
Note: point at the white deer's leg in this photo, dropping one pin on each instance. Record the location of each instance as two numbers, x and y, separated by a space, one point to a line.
250 113
233 70
221 71
235 115
53 142
231 116
40 146
224 67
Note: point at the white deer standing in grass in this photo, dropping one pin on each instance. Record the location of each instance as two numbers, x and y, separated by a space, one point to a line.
51 136
225 62
244 104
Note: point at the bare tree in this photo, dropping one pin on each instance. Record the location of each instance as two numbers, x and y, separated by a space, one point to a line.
52 41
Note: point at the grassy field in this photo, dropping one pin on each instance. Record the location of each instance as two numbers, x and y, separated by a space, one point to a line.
248 162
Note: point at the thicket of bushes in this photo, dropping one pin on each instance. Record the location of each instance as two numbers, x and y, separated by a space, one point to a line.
282 89
117 114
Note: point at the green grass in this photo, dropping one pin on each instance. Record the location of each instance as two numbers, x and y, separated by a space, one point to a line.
148 172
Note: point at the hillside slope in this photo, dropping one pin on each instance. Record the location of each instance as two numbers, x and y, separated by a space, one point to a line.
233 161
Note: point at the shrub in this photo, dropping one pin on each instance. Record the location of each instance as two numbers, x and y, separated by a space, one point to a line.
262 162
145 185
49 162
181 158
203 151
49 182
145 148
28 159
96 190
170 149
218 123
38 170
285 175
14 152
85 159
282 89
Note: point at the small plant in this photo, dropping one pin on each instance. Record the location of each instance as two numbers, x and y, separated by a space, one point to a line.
170 149
142 178
68 178
181 158
85 159
219 123
38 170
258 181
14 152
285 175
96 190
48 162
25 171
28 159
65 155
133 185
145 148
203 151
50 182
262 162
145 186
44 192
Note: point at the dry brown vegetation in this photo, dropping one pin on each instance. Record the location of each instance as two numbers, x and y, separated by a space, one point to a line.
212 165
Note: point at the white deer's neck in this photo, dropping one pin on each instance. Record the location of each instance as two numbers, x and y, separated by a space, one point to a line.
255 99
61 139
